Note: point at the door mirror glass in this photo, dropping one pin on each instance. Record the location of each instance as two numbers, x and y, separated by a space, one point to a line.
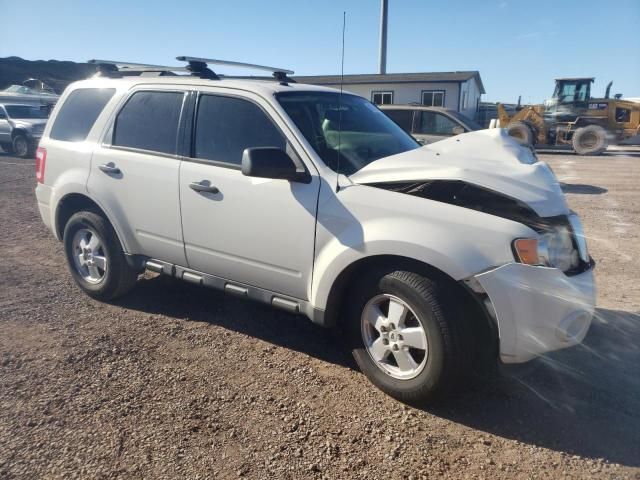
272 162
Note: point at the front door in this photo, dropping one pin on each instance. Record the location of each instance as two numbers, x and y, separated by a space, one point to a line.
135 174
255 231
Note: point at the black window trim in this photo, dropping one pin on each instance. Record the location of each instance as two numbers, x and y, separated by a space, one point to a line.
191 128
444 98
108 138
373 92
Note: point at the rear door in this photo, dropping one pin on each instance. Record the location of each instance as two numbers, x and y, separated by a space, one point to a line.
5 128
134 173
255 231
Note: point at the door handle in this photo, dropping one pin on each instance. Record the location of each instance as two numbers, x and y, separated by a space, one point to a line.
203 186
109 168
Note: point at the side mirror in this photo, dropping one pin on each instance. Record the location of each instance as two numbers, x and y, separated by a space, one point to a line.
457 130
272 162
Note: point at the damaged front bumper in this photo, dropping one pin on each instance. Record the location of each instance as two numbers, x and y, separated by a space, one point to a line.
537 309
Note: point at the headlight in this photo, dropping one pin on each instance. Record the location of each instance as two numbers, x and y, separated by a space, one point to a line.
552 249
556 249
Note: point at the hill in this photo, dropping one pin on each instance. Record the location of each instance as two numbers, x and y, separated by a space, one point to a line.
56 74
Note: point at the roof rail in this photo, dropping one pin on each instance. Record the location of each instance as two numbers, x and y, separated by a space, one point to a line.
200 66
114 68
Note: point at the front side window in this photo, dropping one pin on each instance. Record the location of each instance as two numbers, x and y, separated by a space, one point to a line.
435 124
433 98
79 112
382 98
149 121
226 126
404 118
345 130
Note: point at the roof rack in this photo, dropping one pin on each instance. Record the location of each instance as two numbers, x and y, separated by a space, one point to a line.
195 66
114 68
200 66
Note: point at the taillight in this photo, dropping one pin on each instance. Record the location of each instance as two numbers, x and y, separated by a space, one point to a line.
41 158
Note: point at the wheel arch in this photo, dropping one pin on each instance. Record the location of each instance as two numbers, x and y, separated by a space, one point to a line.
72 203
470 302
18 131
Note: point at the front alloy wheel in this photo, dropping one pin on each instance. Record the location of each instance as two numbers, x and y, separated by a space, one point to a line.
394 337
405 334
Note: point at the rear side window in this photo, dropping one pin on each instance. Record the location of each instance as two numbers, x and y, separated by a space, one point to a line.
149 121
79 113
226 126
403 118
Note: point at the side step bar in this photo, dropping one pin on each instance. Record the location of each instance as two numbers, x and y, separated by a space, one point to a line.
283 302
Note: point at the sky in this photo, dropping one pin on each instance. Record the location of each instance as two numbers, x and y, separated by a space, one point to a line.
518 47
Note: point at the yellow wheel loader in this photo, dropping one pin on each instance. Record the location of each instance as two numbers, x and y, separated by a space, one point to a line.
571 117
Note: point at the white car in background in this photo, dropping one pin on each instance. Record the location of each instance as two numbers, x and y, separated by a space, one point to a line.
430 124
430 260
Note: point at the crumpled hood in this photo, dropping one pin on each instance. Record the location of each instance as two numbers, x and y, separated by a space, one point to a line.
487 158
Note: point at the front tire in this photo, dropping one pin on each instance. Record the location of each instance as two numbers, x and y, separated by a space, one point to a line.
590 140
95 257
21 147
405 336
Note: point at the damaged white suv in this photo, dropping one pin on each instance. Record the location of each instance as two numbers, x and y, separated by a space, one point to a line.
431 259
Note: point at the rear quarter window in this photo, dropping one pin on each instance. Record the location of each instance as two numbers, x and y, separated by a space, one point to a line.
79 112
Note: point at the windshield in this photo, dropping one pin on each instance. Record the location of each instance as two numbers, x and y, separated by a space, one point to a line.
472 124
25 111
366 135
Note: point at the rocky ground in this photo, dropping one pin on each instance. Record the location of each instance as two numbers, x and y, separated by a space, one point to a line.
177 381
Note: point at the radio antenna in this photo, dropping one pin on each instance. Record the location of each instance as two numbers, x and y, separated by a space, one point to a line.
344 22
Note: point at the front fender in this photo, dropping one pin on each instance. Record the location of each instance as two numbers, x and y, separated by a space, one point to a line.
457 241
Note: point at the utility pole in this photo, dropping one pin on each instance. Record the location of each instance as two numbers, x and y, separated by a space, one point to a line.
382 59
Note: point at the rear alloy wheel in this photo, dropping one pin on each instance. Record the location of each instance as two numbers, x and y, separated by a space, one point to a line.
590 140
521 132
95 257
21 147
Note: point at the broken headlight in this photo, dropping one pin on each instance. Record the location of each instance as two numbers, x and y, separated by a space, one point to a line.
556 249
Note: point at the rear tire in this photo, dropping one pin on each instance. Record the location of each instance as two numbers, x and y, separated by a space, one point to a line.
95 257
394 360
590 140
521 132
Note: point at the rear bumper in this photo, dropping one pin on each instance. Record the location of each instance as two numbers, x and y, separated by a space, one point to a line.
538 309
43 197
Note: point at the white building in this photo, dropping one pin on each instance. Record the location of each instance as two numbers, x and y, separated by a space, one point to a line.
460 91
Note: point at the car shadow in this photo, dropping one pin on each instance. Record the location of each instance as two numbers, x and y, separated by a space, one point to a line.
168 296
582 401
582 188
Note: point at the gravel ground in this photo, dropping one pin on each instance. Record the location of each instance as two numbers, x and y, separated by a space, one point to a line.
177 381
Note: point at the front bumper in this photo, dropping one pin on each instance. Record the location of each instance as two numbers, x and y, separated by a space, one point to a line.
538 309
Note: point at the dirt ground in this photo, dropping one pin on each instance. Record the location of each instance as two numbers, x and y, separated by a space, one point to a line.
177 381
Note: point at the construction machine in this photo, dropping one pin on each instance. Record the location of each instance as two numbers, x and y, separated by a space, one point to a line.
572 117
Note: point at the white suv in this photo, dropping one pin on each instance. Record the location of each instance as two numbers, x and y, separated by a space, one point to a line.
432 259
